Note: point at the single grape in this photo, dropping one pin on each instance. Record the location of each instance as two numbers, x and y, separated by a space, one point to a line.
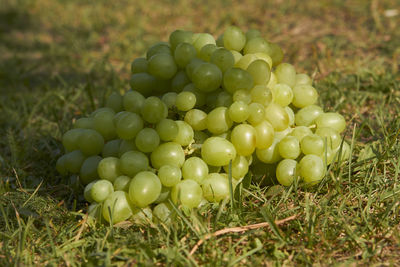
206 52
277 116
312 169
167 154
240 167
139 65
234 38
243 137
286 172
242 95
103 122
304 95
215 187
84 123
271 154
188 193
109 168
286 74
162 66
264 134
179 81
252 33
312 144
276 54
128 125
185 133
167 129
195 168
114 101
184 53
153 110
178 37
217 151
238 111
144 189
88 172
200 97
257 44
302 78
197 119
100 190
237 79
169 99
282 94
133 162
260 71
111 148
70 139
122 183
169 175
133 101
60 165
261 94
223 58
117 207
207 77
307 115
90 142
87 192
332 120
74 161
218 120
185 101
289 147
147 140
143 82
256 113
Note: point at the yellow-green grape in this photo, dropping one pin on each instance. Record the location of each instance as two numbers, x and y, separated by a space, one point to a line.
332 120
271 154
282 94
139 65
218 120
84 123
195 168
162 66
153 110
109 169
125 146
264 57
256 113
158 48
122 183
133 101
215 187
147 140
179 81
260 71
307 115
304 95
240 167
302 78
286 74
223 58
236 55
87 192
167 154
312 144
264 134
277 116
100 190
207 77
187 193
312 169
133 162
144 189
119 205
197 119
242 95
169 99
244 62
276 54
300 132
237 79
203 39
167 129
234 38
331 136
286 172
289 147
185 101
239 111
217 151
169 175
184 53
128 125
261 94
185 134
90 142
206 52
70 139
257 44
224 99
243 137
178 37
74 161
88 172
111 148
252 33
200 97
103 122
114 101
291 115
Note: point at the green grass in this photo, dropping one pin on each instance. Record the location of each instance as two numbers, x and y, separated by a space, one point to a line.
58 61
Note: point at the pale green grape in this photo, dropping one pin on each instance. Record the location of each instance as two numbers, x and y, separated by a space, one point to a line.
256 113
139 65
261 94
332 120
109 169
206 52
237 79
289 147
185 101
244 62
70 139
329 135
257 44
167 129
185 134
144 189
187 193
286 74
195 168
300 132
167 154
277 116
133 101
118 206
234 38
312 144
122 183
217 151
264 57
74 161
260 71
153 110
282 94
243 137
103 122
184 53
84 123
114 101
147 140
302 78
215 187
271 154
252 33
304 95
307 115
162 66
264 134
238 111
88 172
242 95
312 169
197 119
169 175
178 37
179 81
218 120
224 99
111 148
202 40
143 82
133 162
207 77
169 99
223 58
286 172
128 125
100 190
240 167
276 54
90 142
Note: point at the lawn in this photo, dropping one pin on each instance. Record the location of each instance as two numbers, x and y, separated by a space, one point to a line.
59 60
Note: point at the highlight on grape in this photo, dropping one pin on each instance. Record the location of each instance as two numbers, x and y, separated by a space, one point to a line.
197 105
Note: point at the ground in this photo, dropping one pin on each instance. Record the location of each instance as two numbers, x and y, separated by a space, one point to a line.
60 59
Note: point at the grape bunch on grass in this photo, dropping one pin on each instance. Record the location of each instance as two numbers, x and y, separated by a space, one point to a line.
197 106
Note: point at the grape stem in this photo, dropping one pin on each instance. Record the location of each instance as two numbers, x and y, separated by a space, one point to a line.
239 229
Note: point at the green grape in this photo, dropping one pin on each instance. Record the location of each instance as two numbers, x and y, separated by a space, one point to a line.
87 192
300 132
84 123
184 53
224 99
200 97
289 147
88 172
139 65
133 162
133 101
185 134
169 175
260 71
261 94
109 169
185 101
215 187
217 151
206 52
162 213
243 137
202 40
144 189
114 101
169 99
264 57
111 148
143 82
277 116
122 183
237 79
200 137
252 33
218 120
100 110
291 115
60 165
276 54
312 144
302 78
286 74
118 116
240 167
167 154
244 62
70 139
103 122
223 58
90 142
239 111
194 168
153 110
147 140
100 190
236 55
207 77
128 125
220 40
264 134
286 172
162 66
312 169
141 216
234 38
307 115
118 205
271 154
331 136
256 113
257 44
197 119
304 95
242 95
160 47
74 161
282 94
282 134
193 64
125 146
332 120
179 81
188 193
178 37
167 129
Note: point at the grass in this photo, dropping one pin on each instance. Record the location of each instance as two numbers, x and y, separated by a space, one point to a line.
59 59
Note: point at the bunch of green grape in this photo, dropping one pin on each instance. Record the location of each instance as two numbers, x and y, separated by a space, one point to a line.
198 110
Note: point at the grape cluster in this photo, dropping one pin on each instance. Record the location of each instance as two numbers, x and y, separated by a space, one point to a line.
196 106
